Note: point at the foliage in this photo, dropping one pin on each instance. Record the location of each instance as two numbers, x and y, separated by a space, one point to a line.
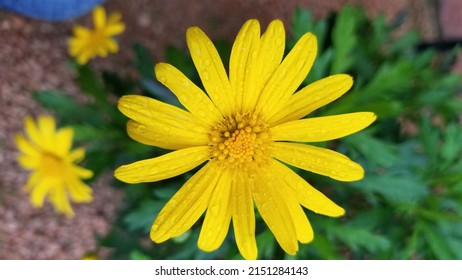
408 206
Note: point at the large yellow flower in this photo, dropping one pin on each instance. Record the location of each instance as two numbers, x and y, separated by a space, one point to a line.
87 43
47 153
245 128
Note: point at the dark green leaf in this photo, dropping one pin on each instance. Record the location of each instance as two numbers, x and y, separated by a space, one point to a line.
344 40
142 217
143 61
91 83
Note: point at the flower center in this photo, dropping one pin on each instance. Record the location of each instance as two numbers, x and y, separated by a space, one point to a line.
98 39
52 164
240 139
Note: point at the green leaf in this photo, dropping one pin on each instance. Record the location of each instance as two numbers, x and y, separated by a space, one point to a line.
266 245
325 248
406 42
452 231
118 85
437 243
88 133
142 217
168 189
143 61
344 40
358 238
303 22
182 61
182 237
452 146
395 187
320 68
91 83
138 255
65 107
376 151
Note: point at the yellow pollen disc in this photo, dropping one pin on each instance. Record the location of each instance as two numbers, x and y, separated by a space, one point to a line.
240 139
52 164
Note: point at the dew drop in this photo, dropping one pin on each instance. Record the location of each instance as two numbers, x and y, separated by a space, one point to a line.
278 42
205 76
214 209
162 79
173 203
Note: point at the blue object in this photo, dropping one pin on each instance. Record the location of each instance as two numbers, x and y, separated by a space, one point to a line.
53 10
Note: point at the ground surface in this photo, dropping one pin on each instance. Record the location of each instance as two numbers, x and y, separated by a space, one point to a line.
33 57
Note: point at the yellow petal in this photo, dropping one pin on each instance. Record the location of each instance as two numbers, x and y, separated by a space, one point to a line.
25 147
288 76
244 215
163 167
218 216
64 138
33 132
274 211
268 57
99 17
241 61
47 130
74 49
210 68
29 162
322 128
76 155
114 18
165 137
303 227
190 95
187 205
114 26
305 194
112 46
318 160
312 97
82 172
159 115
80 31
60 201
84 57
101 51
39 191
78 191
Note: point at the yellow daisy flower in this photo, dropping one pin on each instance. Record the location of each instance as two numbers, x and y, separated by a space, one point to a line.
87 43
245 128
47 153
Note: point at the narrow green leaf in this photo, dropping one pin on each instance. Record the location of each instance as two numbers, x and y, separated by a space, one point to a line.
91 83
344 40
396 188
437 243
143 61
143 216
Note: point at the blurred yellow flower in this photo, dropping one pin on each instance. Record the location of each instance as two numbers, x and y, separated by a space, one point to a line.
245 128
87 43
47 153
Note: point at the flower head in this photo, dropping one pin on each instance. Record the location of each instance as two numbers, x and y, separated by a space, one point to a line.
89 43
246 129
47 153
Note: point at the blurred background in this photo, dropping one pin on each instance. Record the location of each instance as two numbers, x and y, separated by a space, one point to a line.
402 53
